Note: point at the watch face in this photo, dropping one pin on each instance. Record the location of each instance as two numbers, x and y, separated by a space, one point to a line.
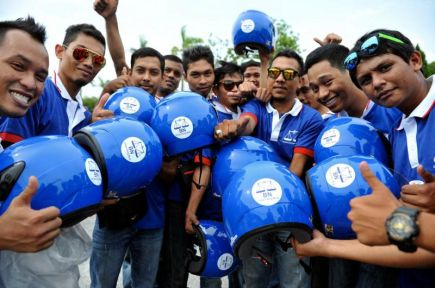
401 227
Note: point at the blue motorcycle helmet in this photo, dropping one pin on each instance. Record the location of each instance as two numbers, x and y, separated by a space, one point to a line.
132 102
336 181
210 252
348 136
253 30
68 177
128 152
184 121
235 155
265 197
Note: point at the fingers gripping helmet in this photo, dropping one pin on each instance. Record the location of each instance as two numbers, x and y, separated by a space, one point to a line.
234 156
211 253
128 152
336 181
184 121
132 102
68 177
348 136
264 197
253 30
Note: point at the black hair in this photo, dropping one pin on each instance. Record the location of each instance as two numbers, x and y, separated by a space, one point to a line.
73 31
148 52
196 53
28 25
250 63
403 50
226 68
173 58
291 54
333 53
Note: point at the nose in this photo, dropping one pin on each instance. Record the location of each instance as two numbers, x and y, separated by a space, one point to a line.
28 81
377 81
323 93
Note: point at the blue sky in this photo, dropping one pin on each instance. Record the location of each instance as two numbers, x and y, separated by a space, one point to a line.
160 21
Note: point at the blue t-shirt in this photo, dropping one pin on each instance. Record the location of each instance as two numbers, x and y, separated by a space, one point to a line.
412 144
155 197
293 132
52 114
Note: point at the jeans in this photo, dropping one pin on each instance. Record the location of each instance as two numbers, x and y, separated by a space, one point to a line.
173 267
348 274
109 248
289 272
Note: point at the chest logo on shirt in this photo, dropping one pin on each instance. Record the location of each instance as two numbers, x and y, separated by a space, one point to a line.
330 138
340 175
266 192
182 127
133 149
291 136
93 171
225 261
129 105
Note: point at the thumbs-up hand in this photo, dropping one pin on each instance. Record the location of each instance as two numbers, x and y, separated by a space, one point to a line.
421 196
23 229
369 213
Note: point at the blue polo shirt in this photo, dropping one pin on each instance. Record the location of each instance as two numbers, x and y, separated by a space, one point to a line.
413 143
223 112
55 113
155 197
382 118
292 132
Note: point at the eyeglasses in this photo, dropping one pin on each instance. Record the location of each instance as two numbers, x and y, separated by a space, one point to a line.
81 54
229 84
288 74
367 48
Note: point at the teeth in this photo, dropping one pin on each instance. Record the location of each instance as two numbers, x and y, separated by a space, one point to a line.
20 97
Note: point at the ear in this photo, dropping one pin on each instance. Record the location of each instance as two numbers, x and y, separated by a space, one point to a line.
59 50
416 61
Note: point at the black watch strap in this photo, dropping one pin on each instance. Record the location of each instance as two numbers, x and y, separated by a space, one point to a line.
407 244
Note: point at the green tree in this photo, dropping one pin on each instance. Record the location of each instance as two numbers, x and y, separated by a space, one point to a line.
90 102
142 43
186 41
286 38
431 68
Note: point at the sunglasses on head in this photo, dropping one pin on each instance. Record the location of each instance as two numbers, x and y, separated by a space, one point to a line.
368 47
288 74
229 84
81 54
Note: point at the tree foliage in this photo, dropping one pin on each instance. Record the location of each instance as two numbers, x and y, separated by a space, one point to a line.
90 102
428 68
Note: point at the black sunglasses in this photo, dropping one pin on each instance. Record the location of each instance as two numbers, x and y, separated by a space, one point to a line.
229 84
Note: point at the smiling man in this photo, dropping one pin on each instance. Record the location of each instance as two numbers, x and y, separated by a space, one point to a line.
60 109
171 76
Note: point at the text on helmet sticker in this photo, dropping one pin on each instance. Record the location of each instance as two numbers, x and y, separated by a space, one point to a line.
129 105
93 171
133 149
266 191
225 261
340 175
247 25
330 138
181 127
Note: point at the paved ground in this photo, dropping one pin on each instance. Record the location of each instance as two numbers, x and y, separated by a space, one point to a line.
88 224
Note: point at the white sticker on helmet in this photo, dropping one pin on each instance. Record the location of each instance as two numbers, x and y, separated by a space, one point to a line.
93 171
266 191
133 149
129 105
330 138
340 175
181 127
225 261
247 25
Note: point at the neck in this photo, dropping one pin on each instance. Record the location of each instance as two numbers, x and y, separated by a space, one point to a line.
358 102
282 105
71 87
420 92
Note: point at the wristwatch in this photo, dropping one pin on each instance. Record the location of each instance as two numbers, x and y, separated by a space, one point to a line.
402 228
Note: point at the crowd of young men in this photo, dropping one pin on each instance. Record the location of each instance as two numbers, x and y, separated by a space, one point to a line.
381 83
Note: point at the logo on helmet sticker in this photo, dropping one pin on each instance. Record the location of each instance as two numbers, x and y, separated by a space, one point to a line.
129 105
247 25
133 149
330 138
266 191
181 127
340 175
225 261
93 171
